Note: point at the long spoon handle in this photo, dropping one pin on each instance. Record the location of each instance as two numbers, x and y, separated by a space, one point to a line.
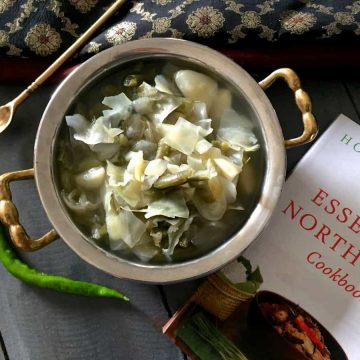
68 53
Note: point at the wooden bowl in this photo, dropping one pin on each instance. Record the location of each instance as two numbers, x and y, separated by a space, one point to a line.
272 343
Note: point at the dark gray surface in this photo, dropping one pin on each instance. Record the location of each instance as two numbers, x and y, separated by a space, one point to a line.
40 325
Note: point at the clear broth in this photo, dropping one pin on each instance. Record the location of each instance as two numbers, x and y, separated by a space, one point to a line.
207 235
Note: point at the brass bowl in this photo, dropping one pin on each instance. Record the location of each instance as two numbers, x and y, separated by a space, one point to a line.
201 57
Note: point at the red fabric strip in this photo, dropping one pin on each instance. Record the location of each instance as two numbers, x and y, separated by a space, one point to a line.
346 59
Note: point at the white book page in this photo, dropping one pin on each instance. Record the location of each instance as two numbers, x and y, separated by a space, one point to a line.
313 239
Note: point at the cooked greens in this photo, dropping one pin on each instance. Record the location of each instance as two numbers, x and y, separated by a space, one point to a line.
155 159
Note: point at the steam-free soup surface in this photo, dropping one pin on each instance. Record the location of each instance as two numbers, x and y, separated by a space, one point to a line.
159 162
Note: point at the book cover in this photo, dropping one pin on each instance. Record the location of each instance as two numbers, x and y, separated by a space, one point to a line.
302 301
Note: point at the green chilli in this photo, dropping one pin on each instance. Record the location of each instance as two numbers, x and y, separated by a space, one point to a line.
34 277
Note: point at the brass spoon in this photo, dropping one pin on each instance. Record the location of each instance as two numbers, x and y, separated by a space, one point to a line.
7 110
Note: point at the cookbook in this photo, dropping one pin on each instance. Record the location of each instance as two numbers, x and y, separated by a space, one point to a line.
295 292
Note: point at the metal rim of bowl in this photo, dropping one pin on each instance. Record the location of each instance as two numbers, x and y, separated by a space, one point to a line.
167 273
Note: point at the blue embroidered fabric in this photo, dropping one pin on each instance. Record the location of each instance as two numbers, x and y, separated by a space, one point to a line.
38 28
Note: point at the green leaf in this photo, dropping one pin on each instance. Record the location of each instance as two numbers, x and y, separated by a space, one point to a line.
256 276
246 263
253 278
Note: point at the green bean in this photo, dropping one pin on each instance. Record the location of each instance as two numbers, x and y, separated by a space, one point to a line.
34 277
223 146
171 180
199 178
123 140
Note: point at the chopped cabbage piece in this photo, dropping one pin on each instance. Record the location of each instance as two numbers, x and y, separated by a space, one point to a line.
227 167
205 125
131 194
203 146
91 179
229 189
236 157
136 166
164 85
124 227
236 130
78 202
164 107
163 103
237 139
175 232
99 131
115 174
200 110
77 122
172 205
139 173
156 167
183 136
143 105
232 119
121 107
221 103
196 86
195 162
210 210
173 169
105 151
135 127
146 90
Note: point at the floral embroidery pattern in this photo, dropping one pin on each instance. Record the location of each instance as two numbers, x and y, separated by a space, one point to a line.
45 28
120 33
4 38
250 21
161 2
26 10
161 25
297 22
83 6
93 47
5 5
43 39
205 21
55 6
344 18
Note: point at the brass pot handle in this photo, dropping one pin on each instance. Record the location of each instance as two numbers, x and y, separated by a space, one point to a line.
9 215
303 103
